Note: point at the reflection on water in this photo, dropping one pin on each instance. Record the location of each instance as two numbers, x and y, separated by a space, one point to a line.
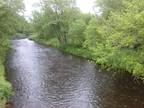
46 78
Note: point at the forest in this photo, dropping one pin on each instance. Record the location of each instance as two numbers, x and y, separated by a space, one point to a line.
113 39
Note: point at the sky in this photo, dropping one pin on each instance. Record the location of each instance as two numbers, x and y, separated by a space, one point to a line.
86 6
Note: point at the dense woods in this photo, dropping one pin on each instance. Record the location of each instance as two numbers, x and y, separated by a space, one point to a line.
113 39
11 23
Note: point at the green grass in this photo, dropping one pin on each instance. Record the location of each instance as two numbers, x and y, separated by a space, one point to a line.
5 88
77 51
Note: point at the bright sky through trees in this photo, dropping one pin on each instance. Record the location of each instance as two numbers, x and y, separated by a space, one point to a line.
85 5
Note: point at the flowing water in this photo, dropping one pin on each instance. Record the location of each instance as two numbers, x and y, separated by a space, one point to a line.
44 77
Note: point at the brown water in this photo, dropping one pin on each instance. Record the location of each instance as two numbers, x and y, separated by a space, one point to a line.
46 78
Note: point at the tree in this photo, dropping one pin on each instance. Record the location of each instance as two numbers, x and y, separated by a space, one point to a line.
108 6
123 32
9 24
56 16
76 32
115 38
9 15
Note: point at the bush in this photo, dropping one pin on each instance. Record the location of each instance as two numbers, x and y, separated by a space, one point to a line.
5 87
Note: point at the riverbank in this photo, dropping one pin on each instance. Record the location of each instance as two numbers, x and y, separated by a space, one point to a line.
77 51
5 86
92 56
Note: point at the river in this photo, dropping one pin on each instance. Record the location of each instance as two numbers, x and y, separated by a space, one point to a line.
43 77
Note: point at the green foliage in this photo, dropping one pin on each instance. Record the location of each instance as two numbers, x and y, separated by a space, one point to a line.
76 32
108 6
55 19
5 87
92 36
10 23
115 39
71 49
9 17
54 42
123 38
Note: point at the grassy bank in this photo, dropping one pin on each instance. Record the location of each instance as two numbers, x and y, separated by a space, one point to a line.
119 63
77 51
5 86
73 50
